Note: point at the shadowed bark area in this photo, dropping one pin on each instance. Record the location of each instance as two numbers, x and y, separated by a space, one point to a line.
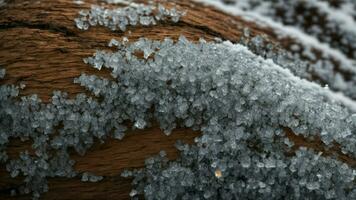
41 47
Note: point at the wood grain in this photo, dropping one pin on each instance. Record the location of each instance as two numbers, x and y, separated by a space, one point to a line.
41 47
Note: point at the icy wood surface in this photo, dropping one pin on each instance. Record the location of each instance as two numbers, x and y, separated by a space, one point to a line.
41 47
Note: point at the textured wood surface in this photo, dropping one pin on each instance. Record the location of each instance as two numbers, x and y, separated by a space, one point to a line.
41 47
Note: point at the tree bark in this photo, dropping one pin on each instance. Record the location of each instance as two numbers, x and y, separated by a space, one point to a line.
41 47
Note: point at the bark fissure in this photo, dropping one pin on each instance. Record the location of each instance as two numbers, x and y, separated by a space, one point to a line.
41 26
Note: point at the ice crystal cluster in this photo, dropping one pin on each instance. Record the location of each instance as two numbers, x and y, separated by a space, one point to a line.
304 63
318 18
242 103
324 36
120 18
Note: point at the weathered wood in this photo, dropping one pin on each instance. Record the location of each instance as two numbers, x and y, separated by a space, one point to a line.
41 47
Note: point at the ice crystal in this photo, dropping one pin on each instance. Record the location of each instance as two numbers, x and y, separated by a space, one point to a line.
2 73
2 3
88 177
78 2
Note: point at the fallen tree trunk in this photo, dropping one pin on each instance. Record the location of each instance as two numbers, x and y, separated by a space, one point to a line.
41 47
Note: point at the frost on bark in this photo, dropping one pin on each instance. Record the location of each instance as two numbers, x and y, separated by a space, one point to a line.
88 93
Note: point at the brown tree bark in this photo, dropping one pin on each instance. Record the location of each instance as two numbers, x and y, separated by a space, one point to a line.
41 47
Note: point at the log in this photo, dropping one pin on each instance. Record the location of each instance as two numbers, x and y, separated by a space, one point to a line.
41 47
